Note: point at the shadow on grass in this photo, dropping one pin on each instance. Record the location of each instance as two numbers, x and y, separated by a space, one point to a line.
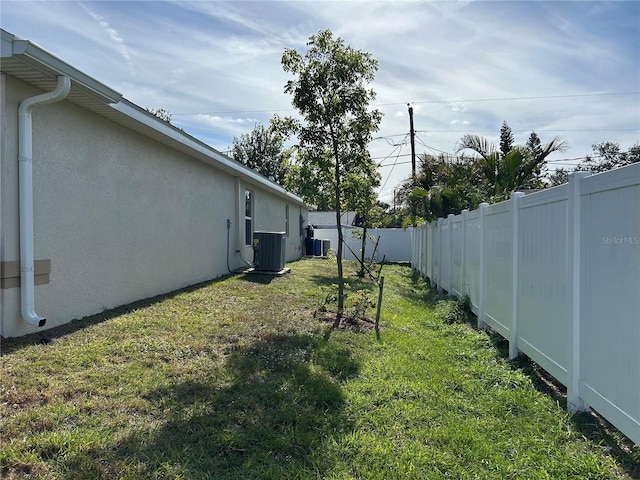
354 283
13 344
260 278
270 421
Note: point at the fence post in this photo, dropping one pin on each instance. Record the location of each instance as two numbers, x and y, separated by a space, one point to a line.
451 281
439 283
415 241
574 402
425 246
464 288
481 324
432 250
421 249
513 337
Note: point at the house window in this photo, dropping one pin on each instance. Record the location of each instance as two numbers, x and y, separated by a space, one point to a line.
286 219
248 217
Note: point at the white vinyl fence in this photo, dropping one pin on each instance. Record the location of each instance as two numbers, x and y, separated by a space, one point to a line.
557 273
394 244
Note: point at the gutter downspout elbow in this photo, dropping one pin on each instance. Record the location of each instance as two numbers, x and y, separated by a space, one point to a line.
25 180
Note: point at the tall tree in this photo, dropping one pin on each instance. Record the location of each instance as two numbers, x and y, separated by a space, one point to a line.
506 139
162 113
534 143
558 177
263 150
606 156
330 93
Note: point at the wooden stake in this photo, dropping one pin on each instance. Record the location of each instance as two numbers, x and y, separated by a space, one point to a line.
379 303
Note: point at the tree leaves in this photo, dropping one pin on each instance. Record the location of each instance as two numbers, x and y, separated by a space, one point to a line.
262 149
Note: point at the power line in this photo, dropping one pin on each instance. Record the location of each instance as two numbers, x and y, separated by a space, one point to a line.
399 148
468 100
505 99
433 148
390 141
396 163
568 161
541 130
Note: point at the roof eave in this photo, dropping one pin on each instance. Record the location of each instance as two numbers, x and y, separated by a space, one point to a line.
39 58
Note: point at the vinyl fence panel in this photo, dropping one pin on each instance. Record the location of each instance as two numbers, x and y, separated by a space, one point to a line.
610 327
446 254
498 268
557 273
472 242
457 255
394 244
543 284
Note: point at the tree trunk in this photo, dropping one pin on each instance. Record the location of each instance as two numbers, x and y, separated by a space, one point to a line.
339 225
339 260
362 253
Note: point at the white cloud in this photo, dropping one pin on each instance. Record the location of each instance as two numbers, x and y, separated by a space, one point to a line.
217 120
458 107
114 36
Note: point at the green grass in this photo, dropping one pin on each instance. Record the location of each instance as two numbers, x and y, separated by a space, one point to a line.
236 379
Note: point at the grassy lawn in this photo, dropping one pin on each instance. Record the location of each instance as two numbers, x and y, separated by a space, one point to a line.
236 379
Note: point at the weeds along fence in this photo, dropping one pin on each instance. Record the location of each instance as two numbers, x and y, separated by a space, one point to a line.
556 273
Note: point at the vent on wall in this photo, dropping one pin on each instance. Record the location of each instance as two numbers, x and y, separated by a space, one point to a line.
269 251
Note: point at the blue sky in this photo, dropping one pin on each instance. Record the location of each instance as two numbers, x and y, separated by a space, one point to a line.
567 69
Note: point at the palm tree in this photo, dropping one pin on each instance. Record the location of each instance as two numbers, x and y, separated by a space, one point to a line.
521 167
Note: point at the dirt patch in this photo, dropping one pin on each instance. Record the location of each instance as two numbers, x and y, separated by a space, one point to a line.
362 325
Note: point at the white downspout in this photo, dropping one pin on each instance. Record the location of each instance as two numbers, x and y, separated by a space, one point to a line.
25 179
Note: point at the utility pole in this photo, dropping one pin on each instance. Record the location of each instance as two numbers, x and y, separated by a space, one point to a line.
394 201
412 135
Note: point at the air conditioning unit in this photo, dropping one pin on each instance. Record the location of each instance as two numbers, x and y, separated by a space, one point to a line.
269 251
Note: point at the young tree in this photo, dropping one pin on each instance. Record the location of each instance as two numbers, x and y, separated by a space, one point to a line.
364 204
330 92
262 149
313 186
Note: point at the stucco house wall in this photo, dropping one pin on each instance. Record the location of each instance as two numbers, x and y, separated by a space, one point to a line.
120 215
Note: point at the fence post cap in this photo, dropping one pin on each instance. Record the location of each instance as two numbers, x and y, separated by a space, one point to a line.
573 176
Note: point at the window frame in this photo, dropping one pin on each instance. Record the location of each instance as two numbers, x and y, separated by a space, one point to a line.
286 219
248 219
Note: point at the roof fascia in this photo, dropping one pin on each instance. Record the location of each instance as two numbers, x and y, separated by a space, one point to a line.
35 56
